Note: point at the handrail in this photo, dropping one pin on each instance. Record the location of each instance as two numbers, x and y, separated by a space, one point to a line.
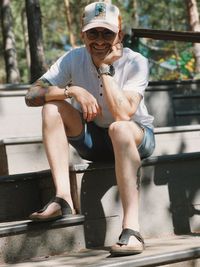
184 36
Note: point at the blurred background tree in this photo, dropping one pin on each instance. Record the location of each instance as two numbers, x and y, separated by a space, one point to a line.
34 25
61 23
194 25
8 40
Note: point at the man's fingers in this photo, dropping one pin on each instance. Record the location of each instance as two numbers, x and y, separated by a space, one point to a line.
118 46
85 112
92 113
90 108
89 112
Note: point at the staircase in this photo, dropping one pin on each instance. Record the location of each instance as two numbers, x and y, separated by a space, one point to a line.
165 205
169 201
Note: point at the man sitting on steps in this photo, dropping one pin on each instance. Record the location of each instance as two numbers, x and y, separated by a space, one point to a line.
105 120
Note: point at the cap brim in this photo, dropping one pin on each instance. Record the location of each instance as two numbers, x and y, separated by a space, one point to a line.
92 25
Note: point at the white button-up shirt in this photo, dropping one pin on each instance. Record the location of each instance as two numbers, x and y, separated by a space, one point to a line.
131 73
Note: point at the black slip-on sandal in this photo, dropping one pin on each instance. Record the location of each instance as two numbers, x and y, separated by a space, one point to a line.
64 210
123 249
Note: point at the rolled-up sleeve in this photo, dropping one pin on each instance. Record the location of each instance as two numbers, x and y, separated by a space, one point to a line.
138 75
60 72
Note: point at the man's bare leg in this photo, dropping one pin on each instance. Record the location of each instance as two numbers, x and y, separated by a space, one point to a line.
60 120
125 137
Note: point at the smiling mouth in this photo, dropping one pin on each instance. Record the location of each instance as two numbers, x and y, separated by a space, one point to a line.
100 48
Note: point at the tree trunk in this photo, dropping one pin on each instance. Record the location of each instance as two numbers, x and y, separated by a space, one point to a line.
10 55
69 23
135 13
26 40
193 18
38 66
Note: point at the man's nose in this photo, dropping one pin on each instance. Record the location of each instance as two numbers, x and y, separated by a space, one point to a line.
100 38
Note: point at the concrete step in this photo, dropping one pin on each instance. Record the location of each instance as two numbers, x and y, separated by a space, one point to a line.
167 100
169 203
177 139
21 194
173 178
22 240
158 98
16 118
173 251
26 154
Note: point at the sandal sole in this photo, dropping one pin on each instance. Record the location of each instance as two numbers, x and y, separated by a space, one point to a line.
46 219
125 252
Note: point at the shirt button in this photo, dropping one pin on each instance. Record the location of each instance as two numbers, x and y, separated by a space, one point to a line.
98 76
101 85
101 94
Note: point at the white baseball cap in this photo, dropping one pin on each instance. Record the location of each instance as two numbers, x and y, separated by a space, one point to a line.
101 14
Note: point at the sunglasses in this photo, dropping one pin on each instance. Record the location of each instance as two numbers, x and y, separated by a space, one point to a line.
106 34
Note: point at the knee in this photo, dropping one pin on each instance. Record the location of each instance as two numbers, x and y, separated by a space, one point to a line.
50 112
115 128
119 132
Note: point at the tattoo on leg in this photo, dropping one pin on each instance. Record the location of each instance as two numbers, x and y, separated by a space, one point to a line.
138 177
119 101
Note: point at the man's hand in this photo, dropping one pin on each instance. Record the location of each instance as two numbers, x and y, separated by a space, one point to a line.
88 102
115 53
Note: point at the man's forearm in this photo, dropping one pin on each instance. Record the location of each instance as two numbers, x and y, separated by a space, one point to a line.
40 93
36 93
117 101
36 96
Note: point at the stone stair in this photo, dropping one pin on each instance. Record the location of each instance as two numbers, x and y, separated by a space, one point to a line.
173 251
170 204
166 184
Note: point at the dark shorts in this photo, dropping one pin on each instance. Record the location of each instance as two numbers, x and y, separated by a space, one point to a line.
94 143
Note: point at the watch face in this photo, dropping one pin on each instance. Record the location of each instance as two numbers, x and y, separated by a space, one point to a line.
109 70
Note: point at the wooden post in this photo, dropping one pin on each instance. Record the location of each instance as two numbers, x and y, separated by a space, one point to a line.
3 160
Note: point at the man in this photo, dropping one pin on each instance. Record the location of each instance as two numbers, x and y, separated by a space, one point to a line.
105 120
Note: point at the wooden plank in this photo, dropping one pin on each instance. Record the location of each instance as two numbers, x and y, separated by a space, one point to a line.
22 140
19 227
177 129
186 96
13 87
184 36
187 113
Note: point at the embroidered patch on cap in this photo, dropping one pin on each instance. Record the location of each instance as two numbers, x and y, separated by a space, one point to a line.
100 10
101 14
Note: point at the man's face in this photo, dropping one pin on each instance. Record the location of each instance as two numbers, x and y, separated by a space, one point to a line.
99 41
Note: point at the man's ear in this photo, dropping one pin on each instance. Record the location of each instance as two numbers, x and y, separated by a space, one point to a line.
82 35
121 36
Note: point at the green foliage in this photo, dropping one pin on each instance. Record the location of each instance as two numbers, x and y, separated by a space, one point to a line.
159 15
151 14
168 59
53 22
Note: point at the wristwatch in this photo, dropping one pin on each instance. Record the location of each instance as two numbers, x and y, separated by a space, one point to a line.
108 70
